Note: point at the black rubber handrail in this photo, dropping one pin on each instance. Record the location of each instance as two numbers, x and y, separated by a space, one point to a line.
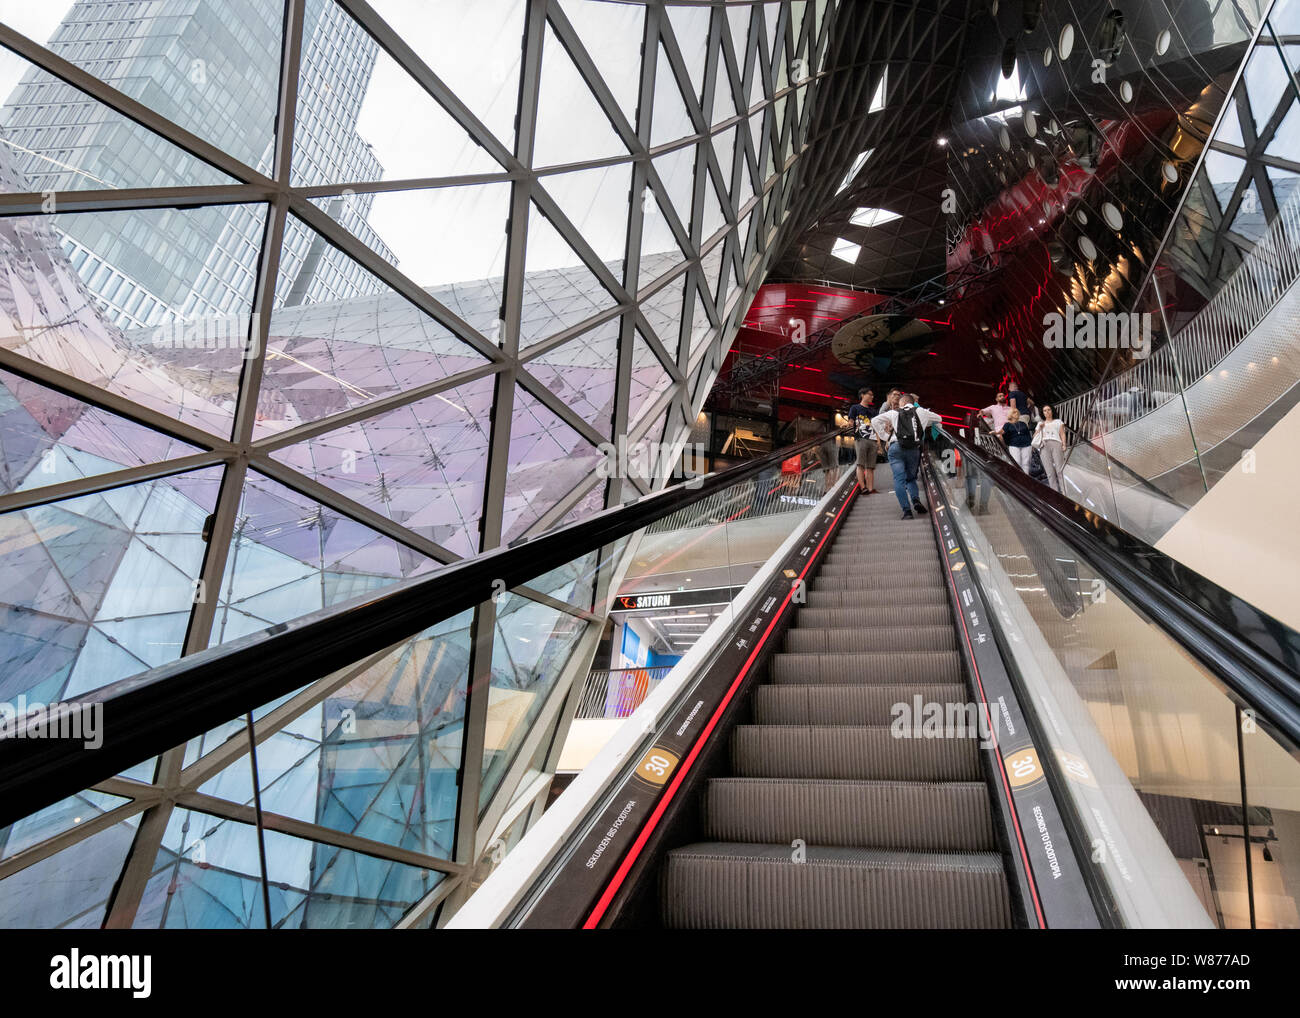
1253 654
157 710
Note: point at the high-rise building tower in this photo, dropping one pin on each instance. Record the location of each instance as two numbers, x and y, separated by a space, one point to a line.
207 64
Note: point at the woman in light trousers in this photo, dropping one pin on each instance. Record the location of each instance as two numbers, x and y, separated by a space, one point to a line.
1051 449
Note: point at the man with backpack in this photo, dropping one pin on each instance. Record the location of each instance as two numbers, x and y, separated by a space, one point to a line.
906 428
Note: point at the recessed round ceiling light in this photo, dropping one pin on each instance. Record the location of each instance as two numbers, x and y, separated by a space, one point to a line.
1163 41
1112 216
1126 91
1082 217
1047 57
1031 123
1088 248
1004 139
1066 42
1033 160
1002 176
1171 173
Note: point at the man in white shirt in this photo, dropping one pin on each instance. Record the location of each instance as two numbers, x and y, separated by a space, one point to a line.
905 428
997 413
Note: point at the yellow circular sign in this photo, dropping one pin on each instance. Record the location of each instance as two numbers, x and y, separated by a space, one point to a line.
1023 767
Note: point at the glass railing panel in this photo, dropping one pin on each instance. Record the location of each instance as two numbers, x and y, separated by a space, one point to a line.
1273 801
1146 737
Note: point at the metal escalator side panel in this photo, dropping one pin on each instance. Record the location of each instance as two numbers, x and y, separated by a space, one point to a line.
1055 888
606 861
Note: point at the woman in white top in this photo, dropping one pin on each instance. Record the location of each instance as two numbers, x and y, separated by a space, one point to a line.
1051 450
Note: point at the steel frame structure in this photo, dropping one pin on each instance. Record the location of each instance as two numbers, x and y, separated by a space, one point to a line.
745 244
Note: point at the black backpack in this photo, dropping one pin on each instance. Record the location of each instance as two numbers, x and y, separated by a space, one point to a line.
909 429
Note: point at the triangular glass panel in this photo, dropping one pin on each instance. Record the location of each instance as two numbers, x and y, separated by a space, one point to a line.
397 225
486 80
164 324
1223 171
1285 184
291 555
326 355
49 438
724 145
690 26
383 124
650 379
612 35
660 251
111 151
714 219
560 291
677 171
595 202
422 465
771 17
1229 131
583 373
70 889
571 125
663 310
1266 80
724 105
530 647
378 757
1285 138
738 19
757 85
547 460
1249 221
671 119
758 136
701 328
126 557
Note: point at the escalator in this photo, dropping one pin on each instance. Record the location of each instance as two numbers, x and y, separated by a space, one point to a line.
825 819
1004 713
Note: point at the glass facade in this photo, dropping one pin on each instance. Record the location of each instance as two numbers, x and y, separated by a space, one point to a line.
301 300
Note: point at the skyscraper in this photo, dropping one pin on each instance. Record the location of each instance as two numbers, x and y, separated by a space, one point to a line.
211 66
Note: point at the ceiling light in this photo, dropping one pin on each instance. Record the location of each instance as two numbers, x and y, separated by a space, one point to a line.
878 100
856 168
943 142
873 217
846 251
1065 44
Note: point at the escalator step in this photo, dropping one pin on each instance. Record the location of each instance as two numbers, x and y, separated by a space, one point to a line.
919 816
806 640
932 591
869 617
854 753
720 885
850 595
845 705
853 669
921 570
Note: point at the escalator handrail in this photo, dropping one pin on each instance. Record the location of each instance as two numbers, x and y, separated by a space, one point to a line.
154 711
1250 652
